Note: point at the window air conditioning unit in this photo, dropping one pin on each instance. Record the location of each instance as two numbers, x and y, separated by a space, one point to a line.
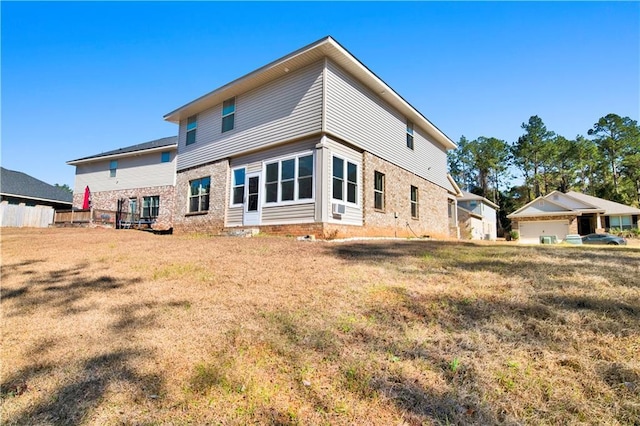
338 209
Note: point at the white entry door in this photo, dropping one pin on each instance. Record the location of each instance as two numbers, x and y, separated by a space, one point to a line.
252 202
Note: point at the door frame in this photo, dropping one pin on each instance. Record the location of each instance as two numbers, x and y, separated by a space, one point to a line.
251 218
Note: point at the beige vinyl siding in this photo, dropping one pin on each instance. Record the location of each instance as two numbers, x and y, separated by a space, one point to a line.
353 214
276 215
293 213
254 160
139 171
234 216
361 117
284 109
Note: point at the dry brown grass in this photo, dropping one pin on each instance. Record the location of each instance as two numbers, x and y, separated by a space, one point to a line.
125 327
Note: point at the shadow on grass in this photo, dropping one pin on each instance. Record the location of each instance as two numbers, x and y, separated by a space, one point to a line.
61 293
72 402
619 265
62 289
7 270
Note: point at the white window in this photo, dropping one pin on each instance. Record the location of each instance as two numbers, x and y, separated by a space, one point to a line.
414 202
378 191
237 193
228 114
199 195
113 167
409 134
345 180
289 179
150 207
192 126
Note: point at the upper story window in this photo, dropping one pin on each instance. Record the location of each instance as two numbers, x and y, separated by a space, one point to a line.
409 134
345 180
378 191
113 166
150 206
165 157
199 195
237 196
414 202
289 179
192 126
228 114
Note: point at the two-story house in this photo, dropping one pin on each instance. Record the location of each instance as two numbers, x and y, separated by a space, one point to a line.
137 182
477 217
312 143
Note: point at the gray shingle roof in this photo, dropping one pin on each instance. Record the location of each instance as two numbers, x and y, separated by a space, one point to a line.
609 207
158 143
22 185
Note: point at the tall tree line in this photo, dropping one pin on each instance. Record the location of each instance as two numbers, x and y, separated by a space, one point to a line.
604 164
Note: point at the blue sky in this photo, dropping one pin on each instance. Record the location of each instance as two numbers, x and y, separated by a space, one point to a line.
82 78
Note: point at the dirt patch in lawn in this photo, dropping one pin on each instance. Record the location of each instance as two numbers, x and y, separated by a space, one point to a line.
126 327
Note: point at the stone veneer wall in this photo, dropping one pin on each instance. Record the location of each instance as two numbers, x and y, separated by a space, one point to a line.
108 200
213 220
573 222
433 215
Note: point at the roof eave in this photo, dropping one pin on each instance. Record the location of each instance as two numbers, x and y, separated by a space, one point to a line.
543 214
30 197
333 50
92 159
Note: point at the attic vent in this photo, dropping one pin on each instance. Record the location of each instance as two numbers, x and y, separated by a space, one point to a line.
555 196
541 203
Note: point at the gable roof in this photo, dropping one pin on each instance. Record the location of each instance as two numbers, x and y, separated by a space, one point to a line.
325 47
151 146
21 185
557 203
467 196
609 207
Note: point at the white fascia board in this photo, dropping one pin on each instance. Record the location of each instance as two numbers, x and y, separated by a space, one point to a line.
28 197
123 154
457 191
543 214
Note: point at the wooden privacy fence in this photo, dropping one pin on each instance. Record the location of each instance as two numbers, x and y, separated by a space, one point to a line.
85 216
20 215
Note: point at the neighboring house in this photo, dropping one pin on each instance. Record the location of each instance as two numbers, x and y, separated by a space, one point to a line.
477 217
137 182
571 213
312 143
28 202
